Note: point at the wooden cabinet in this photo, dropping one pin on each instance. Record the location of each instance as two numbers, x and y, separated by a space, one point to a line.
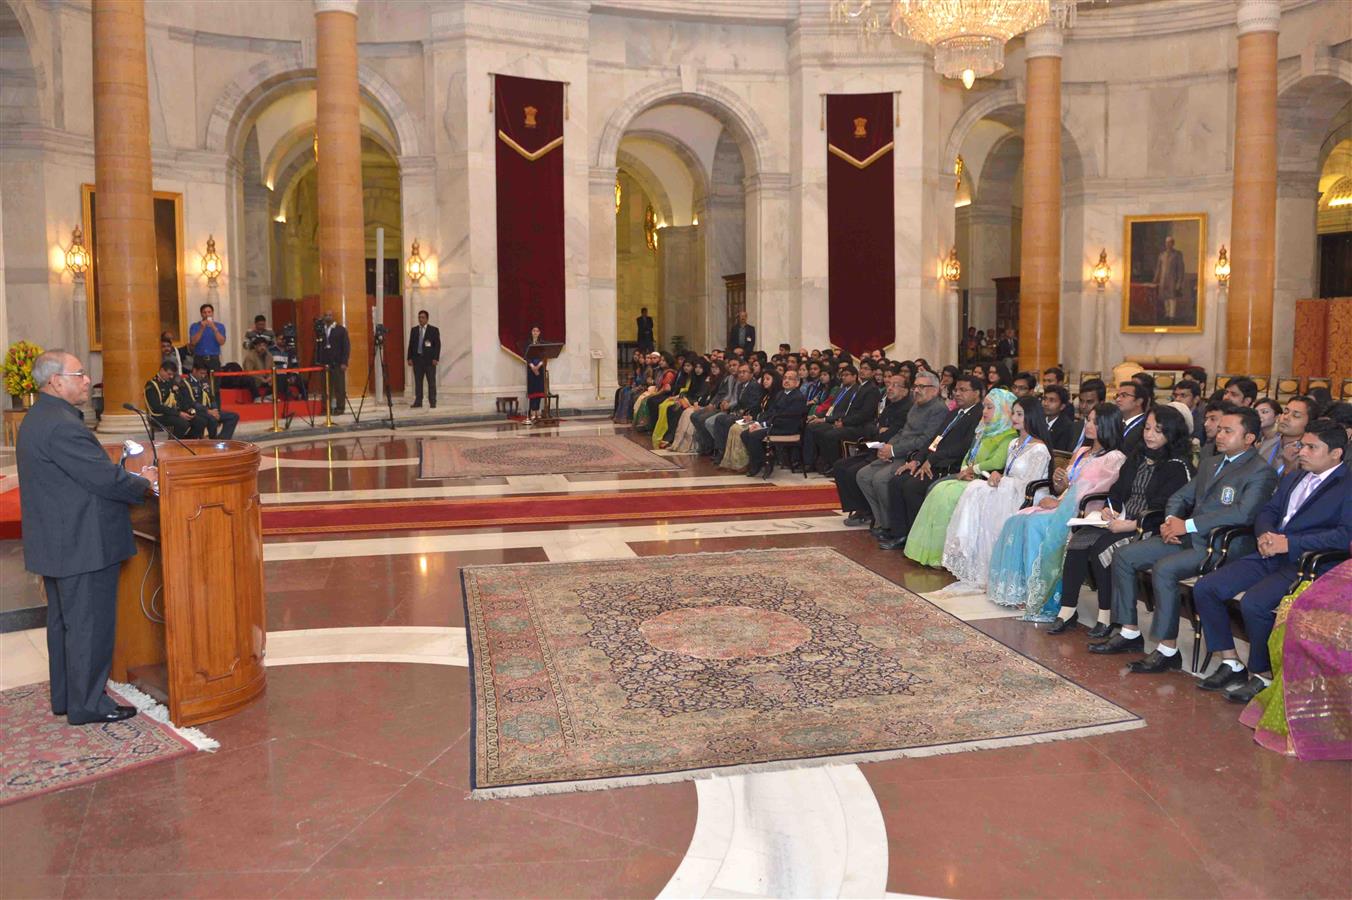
1006 305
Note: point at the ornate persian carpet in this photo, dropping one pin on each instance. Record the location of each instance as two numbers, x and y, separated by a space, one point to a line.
473 458
39 752
599 674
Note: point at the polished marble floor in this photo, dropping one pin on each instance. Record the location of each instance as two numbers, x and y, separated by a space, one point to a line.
350 777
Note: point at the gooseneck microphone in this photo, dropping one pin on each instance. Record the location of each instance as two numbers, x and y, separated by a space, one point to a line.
173 437
150 433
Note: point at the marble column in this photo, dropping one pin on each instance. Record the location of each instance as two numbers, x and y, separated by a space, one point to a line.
342 239
124 212
1253 216
1040 257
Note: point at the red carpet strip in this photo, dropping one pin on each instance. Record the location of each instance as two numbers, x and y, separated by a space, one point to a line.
391 515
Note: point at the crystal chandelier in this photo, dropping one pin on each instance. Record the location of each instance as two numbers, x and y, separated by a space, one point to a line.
968 36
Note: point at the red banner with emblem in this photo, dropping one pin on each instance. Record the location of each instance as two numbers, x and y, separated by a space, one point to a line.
529 140
859 218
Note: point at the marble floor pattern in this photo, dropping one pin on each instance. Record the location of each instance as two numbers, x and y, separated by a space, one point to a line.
350 776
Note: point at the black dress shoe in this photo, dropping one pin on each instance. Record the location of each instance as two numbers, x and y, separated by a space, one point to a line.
1222 678
1119 644
1064 625
1101 631
415 406
1156 662
854 520
117 715
891 543
1247 691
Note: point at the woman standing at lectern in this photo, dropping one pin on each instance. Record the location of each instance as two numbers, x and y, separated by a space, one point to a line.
535 376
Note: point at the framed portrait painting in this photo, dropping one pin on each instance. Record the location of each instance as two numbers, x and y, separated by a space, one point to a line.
1163 291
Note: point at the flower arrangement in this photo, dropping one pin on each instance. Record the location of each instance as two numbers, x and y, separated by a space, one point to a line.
19 368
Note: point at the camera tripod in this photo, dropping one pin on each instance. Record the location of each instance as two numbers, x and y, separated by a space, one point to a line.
370 376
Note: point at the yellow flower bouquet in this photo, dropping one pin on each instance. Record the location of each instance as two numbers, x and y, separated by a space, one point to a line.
19 368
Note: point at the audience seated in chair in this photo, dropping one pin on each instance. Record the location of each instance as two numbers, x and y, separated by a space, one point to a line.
1229 490
1311 511
783 414
206 403
850 414
170 405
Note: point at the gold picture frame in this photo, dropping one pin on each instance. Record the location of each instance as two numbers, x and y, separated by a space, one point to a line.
1164 285
173 293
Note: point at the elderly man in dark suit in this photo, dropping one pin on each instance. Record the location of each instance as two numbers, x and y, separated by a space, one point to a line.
742 335
76 533
1229 490
424 351
1312 510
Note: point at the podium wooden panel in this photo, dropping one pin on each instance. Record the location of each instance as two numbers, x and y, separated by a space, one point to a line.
191 628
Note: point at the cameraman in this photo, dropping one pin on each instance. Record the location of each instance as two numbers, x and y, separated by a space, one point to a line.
286 356
207 337
332 351
260 330
258 359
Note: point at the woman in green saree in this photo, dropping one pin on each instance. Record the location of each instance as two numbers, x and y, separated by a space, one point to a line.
990 446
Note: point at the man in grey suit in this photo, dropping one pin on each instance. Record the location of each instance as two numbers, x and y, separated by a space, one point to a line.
76 533
870 483
723 400
745 400
1229 489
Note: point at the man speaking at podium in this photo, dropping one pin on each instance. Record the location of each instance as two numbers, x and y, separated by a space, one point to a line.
76 533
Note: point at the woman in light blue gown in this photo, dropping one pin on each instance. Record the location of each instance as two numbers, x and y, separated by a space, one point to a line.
1027 560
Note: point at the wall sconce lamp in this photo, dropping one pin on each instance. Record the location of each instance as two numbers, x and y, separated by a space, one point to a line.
77 257
1223 267
211 262
417 267
952 268
1101 272
619 195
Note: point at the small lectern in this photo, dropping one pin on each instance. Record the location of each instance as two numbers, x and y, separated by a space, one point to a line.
545 350
191 629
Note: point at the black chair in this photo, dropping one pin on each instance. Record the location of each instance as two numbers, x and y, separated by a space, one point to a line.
790 442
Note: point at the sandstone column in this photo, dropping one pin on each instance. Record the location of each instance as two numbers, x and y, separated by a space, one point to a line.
1253 211
342 239
1040 256
129 317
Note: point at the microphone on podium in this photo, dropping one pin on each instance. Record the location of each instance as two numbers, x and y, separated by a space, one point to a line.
173 437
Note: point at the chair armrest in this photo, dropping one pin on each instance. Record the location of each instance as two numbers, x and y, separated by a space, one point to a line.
1310 561
1090 498
1220 543
1149 521
1031 490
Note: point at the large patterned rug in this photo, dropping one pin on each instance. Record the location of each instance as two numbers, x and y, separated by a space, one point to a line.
591 675
39 752
473 458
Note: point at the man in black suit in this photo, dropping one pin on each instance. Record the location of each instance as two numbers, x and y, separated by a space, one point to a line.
783 415
333 352
849 416
424 350
1007 350
76 533
1133 399
912 480
1311 510
1061 424
170 404
742 335
645 338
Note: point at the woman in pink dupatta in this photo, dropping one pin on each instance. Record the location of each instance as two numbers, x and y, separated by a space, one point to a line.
1307 710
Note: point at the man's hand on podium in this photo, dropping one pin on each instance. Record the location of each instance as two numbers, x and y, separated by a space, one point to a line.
152 474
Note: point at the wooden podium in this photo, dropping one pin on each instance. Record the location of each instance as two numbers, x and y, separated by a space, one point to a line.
191 630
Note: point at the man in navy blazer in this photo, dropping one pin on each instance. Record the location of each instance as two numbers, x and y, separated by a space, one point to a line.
1311 510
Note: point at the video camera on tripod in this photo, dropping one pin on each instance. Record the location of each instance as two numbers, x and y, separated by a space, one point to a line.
380 332
319 329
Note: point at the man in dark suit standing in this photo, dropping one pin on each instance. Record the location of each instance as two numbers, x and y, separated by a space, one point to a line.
424 350
645 338
913 478
742 335
1311 510
1229 490
76 533
333 352
1007 351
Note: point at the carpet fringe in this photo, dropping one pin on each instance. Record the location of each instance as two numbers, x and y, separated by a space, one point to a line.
147 705
782 765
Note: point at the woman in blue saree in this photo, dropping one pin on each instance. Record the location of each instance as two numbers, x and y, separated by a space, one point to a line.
1027 561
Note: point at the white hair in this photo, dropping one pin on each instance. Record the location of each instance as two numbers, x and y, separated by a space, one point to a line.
48 364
